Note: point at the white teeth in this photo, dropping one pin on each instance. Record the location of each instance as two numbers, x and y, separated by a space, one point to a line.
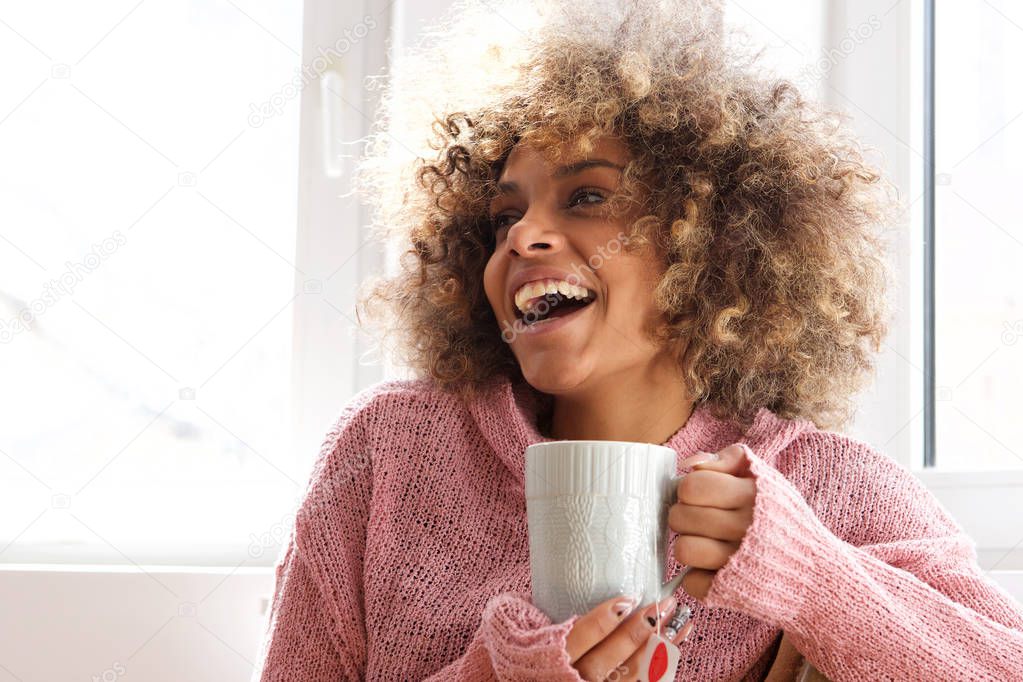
541 288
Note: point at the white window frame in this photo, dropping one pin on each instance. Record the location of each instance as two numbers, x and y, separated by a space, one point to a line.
331 362
874 84
326 365
329 353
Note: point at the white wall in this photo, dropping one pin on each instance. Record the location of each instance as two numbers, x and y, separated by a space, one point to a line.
100 623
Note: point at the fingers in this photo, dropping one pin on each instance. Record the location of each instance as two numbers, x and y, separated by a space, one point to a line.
684 633
697 583
632 635
593 626
716 489
701 552
731 460
729 525
632 665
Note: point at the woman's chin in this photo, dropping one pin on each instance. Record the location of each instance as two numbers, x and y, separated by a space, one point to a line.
555 375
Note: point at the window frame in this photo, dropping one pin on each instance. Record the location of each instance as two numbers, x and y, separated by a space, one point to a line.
327 361
330 355
898 412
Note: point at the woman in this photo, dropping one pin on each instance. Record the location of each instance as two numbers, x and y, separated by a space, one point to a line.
622 231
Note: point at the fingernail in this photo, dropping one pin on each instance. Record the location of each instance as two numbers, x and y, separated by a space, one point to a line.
699 458
653 613
673 584
623 606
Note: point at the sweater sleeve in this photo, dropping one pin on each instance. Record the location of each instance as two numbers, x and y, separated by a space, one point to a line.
853 611
317 627
515 641
299 642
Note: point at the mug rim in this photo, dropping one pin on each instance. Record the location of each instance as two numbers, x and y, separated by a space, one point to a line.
597 442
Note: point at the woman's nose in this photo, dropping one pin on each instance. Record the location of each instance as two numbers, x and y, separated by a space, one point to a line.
527 236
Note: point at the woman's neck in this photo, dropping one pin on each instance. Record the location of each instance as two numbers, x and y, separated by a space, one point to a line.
639 409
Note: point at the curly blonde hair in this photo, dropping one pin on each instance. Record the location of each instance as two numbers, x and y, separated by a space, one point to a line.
762 205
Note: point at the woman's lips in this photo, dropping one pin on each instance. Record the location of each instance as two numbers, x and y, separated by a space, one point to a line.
550 324
531 292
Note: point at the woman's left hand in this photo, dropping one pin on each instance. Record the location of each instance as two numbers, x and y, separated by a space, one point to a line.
713 512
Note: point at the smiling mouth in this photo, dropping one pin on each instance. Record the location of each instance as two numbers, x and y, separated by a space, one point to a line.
532 306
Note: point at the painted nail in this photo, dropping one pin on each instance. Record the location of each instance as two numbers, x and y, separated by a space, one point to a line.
621 607
651 613
699 458
674 583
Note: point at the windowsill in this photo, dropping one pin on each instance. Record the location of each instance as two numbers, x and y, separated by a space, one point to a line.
132 568
150 557
1008 478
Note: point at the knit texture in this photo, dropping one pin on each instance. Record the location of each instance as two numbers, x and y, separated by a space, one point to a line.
409 557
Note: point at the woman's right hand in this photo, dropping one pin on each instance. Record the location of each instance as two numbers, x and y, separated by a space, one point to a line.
608 642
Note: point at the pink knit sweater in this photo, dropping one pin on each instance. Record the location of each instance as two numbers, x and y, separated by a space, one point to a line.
409 557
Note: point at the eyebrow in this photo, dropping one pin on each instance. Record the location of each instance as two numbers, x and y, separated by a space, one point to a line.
508 187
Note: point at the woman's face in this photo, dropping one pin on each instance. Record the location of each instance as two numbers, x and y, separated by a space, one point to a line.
551 226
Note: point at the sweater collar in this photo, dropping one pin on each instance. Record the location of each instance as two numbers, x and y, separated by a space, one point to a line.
506 414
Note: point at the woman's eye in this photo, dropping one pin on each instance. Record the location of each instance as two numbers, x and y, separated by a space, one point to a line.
581 197
498 221
586 194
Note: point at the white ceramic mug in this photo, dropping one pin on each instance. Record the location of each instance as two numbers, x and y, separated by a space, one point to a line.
598 522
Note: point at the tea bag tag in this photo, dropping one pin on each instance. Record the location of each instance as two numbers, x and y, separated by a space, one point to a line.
660 660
